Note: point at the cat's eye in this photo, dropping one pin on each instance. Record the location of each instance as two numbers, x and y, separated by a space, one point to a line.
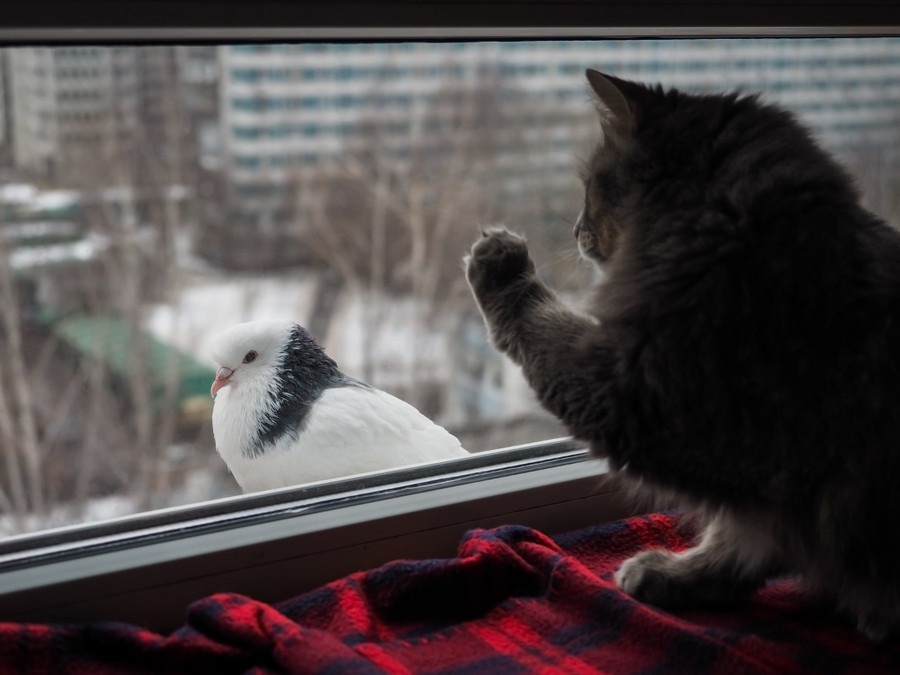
250 356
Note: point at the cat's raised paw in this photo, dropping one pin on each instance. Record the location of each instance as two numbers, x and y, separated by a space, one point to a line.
499 257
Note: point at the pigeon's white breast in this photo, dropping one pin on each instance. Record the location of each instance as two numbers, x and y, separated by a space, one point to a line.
349 430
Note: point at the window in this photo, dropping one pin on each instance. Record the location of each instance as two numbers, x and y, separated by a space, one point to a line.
174 553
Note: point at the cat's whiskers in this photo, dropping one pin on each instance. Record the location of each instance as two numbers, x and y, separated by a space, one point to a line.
574 267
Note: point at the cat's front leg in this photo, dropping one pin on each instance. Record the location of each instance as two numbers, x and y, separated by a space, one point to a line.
535 329
732 559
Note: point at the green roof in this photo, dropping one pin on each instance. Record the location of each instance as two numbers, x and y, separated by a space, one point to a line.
111 341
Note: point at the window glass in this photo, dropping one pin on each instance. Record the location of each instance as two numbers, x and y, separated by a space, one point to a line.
153 196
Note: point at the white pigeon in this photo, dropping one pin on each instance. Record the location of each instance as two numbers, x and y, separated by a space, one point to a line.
284 414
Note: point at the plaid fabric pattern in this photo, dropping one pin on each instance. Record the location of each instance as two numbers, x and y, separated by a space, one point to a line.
513 601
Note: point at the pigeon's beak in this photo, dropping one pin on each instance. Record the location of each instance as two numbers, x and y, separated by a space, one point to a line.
223 377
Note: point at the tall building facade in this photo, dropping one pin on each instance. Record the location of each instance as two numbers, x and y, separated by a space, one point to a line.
256 118
144 120
286 109
70 107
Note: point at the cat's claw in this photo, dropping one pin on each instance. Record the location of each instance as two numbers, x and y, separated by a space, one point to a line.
499 257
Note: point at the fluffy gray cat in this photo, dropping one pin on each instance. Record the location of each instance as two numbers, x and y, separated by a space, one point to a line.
742 351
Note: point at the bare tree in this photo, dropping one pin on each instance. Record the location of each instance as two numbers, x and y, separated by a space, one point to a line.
78 420
396 224
17 424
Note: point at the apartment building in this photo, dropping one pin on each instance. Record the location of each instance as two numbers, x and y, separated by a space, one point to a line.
70 107
287 109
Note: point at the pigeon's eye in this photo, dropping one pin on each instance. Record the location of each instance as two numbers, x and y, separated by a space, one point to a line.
250 356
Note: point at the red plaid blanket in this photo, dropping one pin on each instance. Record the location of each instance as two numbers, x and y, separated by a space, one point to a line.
513 601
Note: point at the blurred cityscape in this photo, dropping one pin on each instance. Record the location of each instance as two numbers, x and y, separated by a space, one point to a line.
151 196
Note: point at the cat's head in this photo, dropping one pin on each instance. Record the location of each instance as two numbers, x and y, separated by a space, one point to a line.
611 174
666 152
600 224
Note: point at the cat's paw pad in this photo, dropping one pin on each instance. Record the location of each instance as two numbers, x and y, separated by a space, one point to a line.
497 258
646 577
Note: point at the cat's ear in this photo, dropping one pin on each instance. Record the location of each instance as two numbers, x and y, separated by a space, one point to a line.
617 103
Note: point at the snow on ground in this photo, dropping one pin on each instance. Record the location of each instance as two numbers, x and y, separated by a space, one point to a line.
62 515
40 256
387 331
362 327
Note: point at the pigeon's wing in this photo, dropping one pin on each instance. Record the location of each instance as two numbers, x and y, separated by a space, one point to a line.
358 429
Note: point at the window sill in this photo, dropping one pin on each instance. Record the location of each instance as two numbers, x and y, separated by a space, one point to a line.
145 569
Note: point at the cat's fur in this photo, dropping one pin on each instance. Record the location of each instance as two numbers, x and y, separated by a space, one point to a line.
742 351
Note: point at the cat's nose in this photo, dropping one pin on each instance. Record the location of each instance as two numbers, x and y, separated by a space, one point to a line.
579 223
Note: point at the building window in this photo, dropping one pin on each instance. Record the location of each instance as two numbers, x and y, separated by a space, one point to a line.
342 196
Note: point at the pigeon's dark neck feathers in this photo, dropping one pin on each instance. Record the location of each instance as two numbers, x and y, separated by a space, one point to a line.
306 371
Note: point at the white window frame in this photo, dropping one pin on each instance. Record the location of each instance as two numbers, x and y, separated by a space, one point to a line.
145 569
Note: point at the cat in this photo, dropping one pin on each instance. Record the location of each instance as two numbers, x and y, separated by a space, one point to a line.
742 350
